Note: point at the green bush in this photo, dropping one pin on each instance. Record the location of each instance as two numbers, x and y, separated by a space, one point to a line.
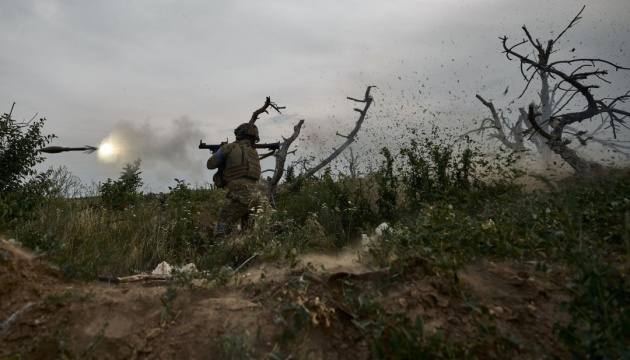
387 186
342 206
428 171
122 193
599 307
21 187
449 204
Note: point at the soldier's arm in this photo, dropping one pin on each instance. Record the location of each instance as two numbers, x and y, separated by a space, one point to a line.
219 157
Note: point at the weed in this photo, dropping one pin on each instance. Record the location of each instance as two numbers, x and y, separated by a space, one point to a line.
448 204
395 336
236 346
122 193
22 187
491 338
92 344
387 186
62 344
167 302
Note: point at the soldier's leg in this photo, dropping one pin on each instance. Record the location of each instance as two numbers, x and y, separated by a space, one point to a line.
230 214
250 198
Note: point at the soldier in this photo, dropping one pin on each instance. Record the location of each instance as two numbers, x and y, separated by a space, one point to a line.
239 172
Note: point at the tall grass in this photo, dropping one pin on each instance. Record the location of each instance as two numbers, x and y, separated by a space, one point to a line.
447 204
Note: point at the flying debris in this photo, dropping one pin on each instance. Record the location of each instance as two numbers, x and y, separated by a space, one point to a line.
57 149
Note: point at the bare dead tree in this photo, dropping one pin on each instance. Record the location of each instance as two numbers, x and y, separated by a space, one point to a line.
573 83
281 154
352 159
367 100
269 187
509 134
515 134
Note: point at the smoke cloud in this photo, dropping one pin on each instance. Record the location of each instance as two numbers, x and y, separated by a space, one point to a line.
167 153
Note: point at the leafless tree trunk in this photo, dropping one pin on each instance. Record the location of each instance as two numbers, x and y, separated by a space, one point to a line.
367 100
282 153
554 125
515 134
352 160
270 187
511 136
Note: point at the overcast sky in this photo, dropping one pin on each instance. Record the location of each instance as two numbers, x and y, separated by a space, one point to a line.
169 73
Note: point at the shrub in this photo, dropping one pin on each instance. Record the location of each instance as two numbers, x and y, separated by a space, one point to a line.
341 206
21 186
387 186
122 193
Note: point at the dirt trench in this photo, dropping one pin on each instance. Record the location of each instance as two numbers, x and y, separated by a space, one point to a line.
43 315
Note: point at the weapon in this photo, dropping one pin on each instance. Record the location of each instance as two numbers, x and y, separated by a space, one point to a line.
218 178
214 148
57 149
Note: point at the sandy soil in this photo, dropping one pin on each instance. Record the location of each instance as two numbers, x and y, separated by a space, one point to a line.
43 315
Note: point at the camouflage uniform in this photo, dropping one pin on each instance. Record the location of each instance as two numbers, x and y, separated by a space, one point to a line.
241 170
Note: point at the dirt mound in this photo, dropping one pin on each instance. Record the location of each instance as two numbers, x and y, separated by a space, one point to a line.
24 279
330 307
497 310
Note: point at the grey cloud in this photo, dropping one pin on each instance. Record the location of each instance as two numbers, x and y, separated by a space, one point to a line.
87 65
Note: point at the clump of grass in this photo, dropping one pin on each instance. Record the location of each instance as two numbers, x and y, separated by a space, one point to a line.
237 345
442 207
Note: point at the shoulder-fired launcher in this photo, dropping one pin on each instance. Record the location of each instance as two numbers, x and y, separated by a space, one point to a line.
214 148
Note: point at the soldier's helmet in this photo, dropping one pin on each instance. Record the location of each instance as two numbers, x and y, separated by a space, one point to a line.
245 131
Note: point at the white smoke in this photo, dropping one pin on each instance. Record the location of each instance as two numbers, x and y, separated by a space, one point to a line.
168 152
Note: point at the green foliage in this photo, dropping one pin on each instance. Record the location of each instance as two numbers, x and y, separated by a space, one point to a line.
87 240
236 346
448 205
64 350
395 336
122 193
339 207
387 186
599 308
21 187
64 184
599 289
585 227
492 338
431 171
167 304
184 205
290 175
428 171
440 233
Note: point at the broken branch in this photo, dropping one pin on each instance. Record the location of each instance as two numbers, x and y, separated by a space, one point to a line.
263 109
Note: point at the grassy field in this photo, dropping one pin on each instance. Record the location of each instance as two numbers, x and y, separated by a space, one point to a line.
447 208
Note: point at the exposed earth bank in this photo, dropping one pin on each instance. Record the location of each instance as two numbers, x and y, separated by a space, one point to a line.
329 307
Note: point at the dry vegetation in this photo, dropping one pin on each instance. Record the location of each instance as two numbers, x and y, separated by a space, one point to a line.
472 267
